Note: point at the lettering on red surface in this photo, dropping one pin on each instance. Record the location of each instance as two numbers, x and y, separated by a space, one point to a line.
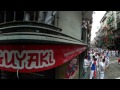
26 59
74 51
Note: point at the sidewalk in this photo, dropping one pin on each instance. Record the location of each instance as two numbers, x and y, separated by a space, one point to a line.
87 75
113 58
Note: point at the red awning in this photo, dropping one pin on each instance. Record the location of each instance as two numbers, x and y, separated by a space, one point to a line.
36 58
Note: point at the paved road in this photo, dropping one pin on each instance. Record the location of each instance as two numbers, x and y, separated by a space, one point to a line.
113 71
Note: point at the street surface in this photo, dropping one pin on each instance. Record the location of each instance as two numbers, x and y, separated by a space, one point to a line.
113 72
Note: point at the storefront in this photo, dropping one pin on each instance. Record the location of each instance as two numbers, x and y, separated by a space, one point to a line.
40 61
38 45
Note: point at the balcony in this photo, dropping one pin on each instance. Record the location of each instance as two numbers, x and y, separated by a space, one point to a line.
118 18
110 19
118 25
31 26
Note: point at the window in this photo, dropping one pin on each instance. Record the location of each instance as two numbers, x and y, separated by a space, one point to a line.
19 15
50 17
1 16
9 16
118 25
83 36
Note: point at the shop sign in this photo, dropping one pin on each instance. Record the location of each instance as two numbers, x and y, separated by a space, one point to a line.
36 58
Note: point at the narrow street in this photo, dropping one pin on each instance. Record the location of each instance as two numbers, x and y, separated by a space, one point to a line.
113 72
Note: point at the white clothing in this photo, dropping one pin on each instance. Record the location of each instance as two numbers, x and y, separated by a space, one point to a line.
97 57
117 53
91 74
107 60
85 65
91 56
102 75
101 70
86 62
114 53
109 53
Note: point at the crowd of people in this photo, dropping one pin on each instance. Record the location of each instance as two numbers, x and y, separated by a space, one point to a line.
97 61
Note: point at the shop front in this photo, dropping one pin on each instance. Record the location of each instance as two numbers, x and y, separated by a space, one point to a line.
40 61
38 45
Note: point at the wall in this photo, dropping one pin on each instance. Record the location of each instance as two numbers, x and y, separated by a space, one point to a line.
60 71
88 14
70 22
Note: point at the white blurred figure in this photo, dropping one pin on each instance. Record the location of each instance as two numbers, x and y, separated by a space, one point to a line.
109 53
85 66
102 69
116 53
107 60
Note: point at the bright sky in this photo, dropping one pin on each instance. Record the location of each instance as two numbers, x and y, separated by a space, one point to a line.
97 16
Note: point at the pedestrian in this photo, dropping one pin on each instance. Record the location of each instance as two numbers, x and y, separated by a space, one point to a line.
109 53
116 53
102 69
118 61
107 60
85 66
93 68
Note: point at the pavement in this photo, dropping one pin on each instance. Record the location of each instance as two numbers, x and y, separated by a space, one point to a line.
113 72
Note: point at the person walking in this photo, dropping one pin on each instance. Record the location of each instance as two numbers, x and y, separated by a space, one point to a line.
107 60
93 68
85 66
102 69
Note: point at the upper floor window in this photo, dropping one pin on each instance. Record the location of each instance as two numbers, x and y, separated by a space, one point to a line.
47 17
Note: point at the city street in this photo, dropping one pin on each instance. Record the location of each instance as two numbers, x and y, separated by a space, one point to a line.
113 72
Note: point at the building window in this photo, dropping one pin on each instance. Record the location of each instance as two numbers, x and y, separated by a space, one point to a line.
83 36
2 16
47 17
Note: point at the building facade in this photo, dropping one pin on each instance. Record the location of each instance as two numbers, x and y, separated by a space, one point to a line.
108 35
44 44
105 36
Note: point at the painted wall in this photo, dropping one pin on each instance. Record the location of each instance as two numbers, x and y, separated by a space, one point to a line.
70 22
60 72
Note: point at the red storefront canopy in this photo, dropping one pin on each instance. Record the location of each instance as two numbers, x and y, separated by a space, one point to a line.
36 58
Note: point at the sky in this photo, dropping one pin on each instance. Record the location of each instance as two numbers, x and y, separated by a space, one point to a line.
97 16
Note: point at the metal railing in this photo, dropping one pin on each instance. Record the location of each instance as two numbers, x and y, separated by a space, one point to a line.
12 16
28 21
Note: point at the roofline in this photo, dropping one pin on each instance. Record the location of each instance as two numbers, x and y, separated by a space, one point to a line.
103 16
